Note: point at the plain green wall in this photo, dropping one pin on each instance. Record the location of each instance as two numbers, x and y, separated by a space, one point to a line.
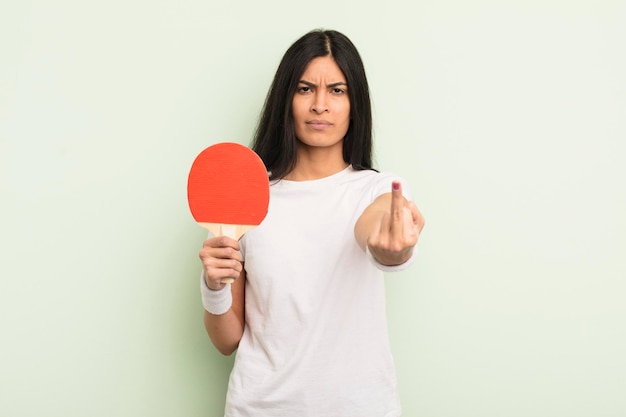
508 118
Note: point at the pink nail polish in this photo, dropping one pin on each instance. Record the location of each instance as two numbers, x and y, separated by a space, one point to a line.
396 185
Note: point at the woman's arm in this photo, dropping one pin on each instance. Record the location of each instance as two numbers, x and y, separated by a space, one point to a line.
390 227
225 330
221 259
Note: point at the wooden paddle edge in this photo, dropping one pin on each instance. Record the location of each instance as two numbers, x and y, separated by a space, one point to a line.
233 231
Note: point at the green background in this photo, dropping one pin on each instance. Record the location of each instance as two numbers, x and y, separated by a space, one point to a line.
508 119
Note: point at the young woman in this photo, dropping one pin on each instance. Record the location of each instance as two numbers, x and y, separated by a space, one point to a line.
306 312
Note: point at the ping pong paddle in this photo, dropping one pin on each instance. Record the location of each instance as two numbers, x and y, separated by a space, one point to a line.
228 190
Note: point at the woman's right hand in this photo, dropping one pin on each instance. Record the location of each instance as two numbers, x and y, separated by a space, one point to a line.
221 259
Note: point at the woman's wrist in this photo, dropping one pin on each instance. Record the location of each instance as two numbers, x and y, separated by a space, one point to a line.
390 268
216 302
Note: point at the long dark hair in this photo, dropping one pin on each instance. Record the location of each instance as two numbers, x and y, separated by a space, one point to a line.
275 140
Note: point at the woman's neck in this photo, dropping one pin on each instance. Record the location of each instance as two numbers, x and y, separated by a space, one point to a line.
316 165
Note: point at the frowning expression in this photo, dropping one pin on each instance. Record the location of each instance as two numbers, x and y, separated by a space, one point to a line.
321 106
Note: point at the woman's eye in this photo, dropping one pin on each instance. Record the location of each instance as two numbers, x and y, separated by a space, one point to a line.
304 89
338 91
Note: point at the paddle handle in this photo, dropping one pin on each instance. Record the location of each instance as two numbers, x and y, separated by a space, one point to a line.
229 230
233 231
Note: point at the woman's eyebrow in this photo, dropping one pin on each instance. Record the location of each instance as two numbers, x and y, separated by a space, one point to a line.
331 85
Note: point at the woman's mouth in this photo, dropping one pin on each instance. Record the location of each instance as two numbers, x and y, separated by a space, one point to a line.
318 124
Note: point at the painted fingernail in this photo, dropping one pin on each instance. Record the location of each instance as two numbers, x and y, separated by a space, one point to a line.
396 185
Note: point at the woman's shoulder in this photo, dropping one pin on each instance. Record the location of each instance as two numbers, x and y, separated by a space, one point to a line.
378 182
374 176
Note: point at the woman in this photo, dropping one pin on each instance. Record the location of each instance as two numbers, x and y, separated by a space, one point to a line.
306 312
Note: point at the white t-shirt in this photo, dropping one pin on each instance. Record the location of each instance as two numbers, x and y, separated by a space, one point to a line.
315 341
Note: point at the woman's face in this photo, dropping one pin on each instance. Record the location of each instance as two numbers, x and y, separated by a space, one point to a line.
321 107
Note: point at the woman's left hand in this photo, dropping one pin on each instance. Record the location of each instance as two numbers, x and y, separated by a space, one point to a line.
392 232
